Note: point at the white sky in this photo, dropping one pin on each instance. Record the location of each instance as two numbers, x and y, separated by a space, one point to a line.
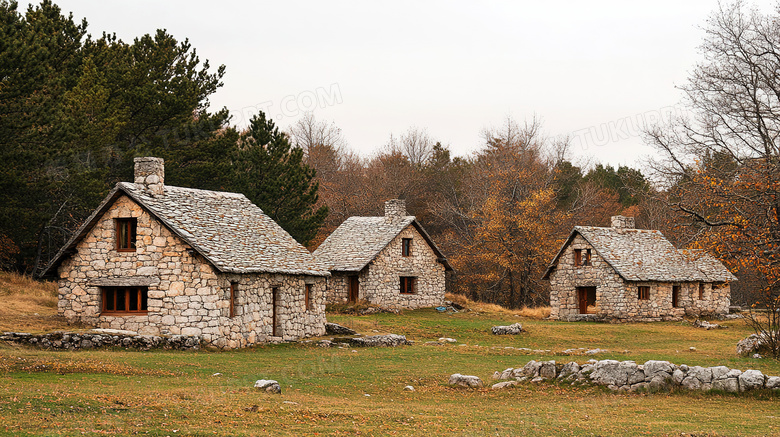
590 70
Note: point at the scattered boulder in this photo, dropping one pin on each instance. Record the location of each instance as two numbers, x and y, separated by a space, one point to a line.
547 370
513 329
569 369
336 329
706 325
447 340
268 385
408 388
754 344
469 381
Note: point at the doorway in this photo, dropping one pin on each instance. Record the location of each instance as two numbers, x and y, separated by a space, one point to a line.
354 289
586 297
274 312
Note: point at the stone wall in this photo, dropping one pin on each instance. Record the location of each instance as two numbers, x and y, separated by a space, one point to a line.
617 299
652 375
186 295
380 282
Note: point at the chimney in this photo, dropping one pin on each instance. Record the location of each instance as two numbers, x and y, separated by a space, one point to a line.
622 222
150 175
395 209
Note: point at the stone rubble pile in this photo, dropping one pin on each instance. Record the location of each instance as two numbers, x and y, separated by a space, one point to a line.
336 329
630 376
107 338
706 325
514 329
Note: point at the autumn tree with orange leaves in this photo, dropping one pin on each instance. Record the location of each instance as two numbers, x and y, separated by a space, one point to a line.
723 161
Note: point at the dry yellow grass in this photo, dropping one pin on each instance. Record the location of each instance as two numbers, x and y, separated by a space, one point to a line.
28 305
532 313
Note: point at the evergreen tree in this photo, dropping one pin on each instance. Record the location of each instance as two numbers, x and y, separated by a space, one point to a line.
272 174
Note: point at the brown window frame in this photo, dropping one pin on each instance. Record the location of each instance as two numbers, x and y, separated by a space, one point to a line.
577 257
406 247
676 296
643 292
701 290
126 243
586 262
110 300
408 284
307 296
233 298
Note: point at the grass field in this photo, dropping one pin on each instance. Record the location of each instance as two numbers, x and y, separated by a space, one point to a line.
360 391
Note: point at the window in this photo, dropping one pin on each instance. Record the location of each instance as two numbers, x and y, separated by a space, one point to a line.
407 285
307 296
644 292
233 298
406 247
120 300
577 257
701 290
125 234
586 261
675 296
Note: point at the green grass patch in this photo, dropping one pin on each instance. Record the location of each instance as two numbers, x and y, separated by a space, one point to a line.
360 391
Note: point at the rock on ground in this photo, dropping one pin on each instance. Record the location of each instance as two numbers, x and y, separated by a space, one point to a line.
465 380
268 385
514 329
389 340
336 329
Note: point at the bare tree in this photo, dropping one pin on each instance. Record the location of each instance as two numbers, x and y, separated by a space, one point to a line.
722 162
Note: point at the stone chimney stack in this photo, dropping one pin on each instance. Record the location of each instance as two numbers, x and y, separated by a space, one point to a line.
150 174
622 222
395 209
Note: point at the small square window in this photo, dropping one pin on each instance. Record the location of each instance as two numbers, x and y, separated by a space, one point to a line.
125 234
406 247
407 284
643 292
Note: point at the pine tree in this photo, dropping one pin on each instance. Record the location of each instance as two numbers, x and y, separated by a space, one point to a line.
272 174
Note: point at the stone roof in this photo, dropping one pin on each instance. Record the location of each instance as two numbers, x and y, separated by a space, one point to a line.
227 229
646 255
360 239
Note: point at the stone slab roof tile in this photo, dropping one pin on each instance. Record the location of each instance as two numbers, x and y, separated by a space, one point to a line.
646 255
227 229
360 239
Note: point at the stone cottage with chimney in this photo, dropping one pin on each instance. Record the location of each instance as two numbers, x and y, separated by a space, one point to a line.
389 261
165 260
627 274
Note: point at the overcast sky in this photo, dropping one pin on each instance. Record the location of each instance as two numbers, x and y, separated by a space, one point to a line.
592 70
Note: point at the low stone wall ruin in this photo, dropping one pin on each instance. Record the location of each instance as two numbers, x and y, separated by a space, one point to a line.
90 340
629 376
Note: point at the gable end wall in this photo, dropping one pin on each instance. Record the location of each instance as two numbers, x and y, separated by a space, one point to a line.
186 295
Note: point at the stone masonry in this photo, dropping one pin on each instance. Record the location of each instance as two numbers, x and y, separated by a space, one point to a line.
617 298
371 249
187 293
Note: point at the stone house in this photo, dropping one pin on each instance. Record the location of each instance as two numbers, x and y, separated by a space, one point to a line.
389 261
163 260
628 274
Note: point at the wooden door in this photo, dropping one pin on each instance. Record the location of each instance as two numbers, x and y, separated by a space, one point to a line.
274 311
354 289
582 295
